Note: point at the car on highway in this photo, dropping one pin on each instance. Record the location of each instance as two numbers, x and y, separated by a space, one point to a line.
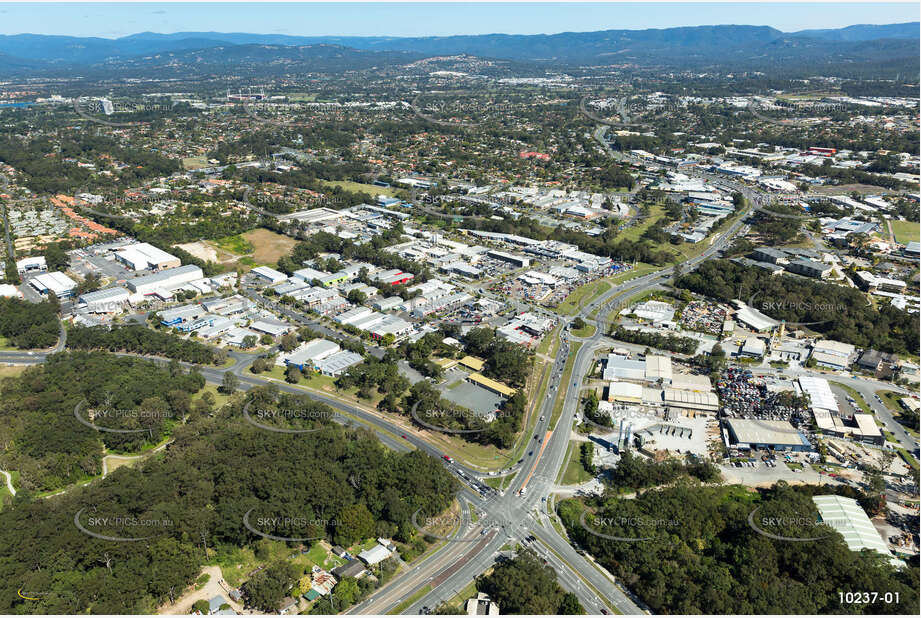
447 459
403 435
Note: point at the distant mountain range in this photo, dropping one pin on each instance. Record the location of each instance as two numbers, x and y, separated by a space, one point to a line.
745 47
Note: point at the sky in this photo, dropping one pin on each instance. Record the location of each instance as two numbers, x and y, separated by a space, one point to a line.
111 20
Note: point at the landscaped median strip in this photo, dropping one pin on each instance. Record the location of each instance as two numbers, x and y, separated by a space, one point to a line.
579 575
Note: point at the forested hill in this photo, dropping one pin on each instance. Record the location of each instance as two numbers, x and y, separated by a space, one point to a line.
192 499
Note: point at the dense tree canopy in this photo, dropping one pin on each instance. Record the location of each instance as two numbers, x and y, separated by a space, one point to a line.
838 312
218 468
701 556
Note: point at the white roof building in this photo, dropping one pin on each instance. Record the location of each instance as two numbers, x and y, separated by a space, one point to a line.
58 283
142 256
852 523
376 554
309 353
269 274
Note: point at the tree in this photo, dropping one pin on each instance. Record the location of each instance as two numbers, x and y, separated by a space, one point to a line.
288 342
229 383
259 365
570 605
249 341
355 523
202 606
267 588
347 591
293 375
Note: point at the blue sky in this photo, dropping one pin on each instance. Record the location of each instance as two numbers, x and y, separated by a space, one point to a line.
425 18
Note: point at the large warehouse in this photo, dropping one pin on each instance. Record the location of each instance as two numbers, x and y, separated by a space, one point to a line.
850 520
758 434
59 284
109 300
143 256
165 279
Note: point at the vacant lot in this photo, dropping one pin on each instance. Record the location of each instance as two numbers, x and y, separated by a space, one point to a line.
906 231
193 163
357 187
268 246
259 246
11 372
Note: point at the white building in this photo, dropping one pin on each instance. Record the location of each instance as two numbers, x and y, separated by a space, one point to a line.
143 256
269 274
57 283
165 279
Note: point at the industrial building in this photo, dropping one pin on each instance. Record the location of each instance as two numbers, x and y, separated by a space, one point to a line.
335 364
763 434
308 354
752 347
56 283
144 256
658 368
625 392
391 325
833 354
514 260
165 279
271 275
621 367
108 300
847 517
809 268
31 264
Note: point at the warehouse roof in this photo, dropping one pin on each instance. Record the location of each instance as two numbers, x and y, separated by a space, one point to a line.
492 385
691 399
850 520
765 432
819 392
658 367
625 391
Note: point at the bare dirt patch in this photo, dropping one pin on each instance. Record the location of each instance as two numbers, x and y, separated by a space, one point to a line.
269 246
201 250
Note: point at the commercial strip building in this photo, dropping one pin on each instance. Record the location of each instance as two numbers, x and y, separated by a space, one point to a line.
491 385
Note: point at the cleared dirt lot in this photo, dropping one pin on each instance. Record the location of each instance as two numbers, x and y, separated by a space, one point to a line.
269 246
201 250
